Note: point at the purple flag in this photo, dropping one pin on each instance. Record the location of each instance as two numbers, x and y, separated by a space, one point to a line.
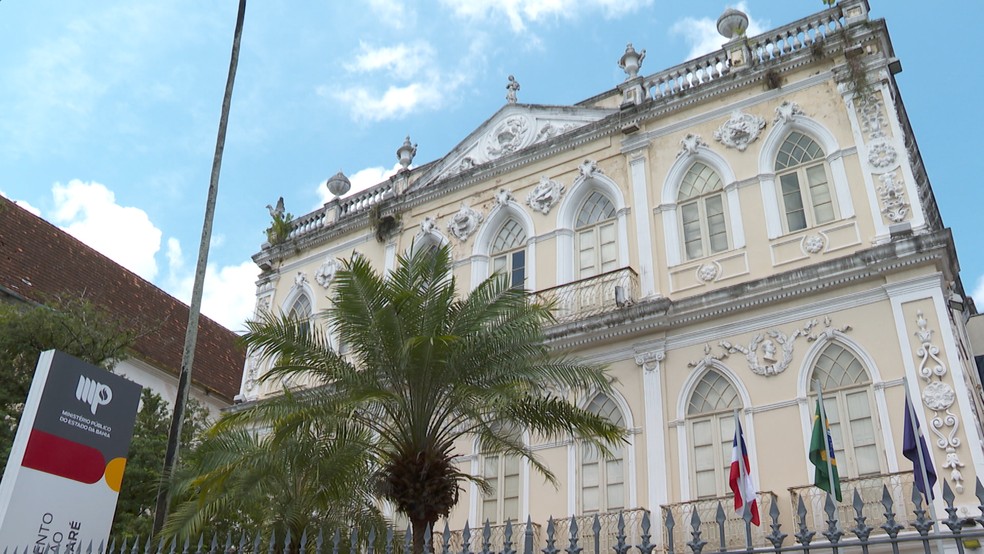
910 451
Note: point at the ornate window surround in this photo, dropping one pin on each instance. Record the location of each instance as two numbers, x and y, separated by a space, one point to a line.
844 205
805 400
567 212
423 237
481 251
629 459
683 439
668 202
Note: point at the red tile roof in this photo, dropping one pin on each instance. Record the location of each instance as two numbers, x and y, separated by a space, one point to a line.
39 260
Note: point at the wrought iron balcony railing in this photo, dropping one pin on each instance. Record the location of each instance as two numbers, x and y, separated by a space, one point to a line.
871 490
593 295
721 526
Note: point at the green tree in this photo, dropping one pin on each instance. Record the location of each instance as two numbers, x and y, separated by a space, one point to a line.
72 325
135 507
425 369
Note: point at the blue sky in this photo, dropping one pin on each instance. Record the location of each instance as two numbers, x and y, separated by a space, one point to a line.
108 110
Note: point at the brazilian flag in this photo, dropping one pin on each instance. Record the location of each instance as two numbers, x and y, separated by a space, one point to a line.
820 449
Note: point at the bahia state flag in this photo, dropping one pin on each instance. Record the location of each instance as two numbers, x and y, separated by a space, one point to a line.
821 448
739 479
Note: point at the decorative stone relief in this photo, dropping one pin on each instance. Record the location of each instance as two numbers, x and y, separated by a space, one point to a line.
549 130
786 111
708 272
708 358
262 305
504 197
545 195
740 130
464 223
892 196
428 225
872 120
939 397
814 244
651 360
828 331
300 278
882 155
777 347
690 144
507 137
512 87
589 168
252 372
326 272
466 163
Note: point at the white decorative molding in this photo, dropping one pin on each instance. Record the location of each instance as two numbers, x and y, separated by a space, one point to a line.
464 222
300 279
814 244
326 272
650 360
690 144
777 347
589 168
512 87
786 111
939 397
892 196
708 359
740 130
708 272
504 197
507 137
428 225
882 156
545 195
550 130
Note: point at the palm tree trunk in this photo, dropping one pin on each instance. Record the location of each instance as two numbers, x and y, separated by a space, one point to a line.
419 528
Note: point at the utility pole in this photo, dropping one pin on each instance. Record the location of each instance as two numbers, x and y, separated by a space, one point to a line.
191 335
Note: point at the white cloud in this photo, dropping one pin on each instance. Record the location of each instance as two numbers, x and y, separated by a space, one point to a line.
228 295
393 103
89 212
702 35
403 61
520 12
22 203
361 180
393 13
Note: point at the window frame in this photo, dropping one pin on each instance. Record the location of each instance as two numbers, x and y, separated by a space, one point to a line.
720 449
804 187
509 255
604 483
597 228
499 495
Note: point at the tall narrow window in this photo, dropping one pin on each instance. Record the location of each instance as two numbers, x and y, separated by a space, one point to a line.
701 207
711 425
302 311
596 236
847 402
603 480
803 183
509 252
501 503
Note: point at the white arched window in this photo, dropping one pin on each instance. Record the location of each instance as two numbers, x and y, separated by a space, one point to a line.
603 481
597 243
701 205
301 310
711 429
509 252
847 400
805 191
502 472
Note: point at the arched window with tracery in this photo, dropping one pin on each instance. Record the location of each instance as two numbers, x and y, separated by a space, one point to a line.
509 252
603 480
701 201
597 242
302 311
804 184
847 400
711 430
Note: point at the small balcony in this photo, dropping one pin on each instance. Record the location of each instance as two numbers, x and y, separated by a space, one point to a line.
593 295
720 525
872 490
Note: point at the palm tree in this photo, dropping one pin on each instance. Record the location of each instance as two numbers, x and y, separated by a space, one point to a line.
426 368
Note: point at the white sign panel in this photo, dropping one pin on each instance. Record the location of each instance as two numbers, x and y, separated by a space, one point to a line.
66 465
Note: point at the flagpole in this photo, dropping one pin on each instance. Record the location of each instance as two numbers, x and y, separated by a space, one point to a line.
827 440
917 433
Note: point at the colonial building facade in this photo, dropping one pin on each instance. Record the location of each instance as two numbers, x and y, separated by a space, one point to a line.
722 234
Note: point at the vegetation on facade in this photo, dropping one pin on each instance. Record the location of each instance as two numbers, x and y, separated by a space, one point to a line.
279 229
425 370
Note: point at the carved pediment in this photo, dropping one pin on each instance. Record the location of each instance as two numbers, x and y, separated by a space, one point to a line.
512 129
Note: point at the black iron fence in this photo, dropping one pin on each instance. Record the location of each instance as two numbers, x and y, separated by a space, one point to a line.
622 533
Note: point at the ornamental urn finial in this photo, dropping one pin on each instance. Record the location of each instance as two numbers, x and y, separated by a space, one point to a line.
339 184
732 23
631 61
406 153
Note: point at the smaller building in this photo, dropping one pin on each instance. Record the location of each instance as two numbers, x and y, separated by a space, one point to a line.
39 260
